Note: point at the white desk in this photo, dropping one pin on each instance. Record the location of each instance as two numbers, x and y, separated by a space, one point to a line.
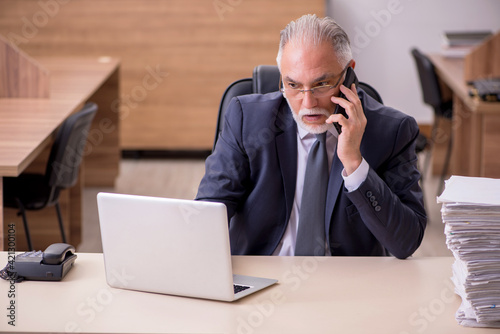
341 295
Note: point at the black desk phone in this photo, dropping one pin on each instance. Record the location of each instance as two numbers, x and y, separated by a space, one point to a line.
350 78
51 265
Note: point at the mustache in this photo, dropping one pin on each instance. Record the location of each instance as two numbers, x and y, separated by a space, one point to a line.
314 111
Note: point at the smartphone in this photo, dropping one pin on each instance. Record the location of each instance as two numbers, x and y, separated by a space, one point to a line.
350 78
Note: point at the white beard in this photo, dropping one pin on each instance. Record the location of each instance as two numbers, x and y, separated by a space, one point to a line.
312 128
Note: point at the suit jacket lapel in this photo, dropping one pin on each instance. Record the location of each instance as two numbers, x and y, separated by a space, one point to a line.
286 147
335 183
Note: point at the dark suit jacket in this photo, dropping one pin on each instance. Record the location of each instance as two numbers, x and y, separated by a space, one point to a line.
253 171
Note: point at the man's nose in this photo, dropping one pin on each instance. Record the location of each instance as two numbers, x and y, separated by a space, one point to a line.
309 100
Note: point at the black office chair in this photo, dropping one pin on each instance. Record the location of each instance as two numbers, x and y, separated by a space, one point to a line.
37 191
432 96
265 79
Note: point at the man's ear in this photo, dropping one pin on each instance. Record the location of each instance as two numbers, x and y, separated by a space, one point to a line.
353 64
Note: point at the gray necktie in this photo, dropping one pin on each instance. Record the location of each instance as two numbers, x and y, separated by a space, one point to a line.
311 231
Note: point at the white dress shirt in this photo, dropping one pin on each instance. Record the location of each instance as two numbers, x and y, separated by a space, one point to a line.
305 140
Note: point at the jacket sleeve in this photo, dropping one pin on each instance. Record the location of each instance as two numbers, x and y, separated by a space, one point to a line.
390 200
227 168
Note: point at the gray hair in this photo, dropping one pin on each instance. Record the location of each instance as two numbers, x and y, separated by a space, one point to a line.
311 29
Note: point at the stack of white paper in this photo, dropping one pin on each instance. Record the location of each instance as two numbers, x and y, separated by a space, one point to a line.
471 212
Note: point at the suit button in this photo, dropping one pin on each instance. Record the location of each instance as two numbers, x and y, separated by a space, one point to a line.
378 208
374 203
369 193
372 199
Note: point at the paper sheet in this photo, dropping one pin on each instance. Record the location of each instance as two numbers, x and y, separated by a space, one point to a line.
476 190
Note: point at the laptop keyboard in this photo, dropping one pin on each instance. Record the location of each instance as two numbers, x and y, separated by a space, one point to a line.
239 288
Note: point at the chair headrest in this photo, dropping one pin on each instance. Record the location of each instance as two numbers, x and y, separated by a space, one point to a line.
266 79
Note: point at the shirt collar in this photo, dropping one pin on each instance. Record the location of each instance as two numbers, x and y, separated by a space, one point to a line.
303 133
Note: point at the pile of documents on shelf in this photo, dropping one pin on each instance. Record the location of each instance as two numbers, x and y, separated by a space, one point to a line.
471 213
458 44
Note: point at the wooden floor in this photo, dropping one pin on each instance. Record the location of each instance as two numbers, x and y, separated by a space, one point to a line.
180 178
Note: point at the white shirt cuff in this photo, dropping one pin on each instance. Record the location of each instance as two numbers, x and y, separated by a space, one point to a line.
353 181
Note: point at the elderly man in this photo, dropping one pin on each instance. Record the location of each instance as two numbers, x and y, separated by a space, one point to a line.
294 185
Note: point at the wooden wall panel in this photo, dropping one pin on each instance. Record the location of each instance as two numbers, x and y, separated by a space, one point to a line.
177 56
21 76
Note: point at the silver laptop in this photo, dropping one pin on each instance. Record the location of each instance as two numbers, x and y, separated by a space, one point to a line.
170 246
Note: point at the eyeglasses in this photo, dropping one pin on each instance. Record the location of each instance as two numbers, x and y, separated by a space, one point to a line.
318 91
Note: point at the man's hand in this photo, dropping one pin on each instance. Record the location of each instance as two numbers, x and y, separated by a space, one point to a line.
352 128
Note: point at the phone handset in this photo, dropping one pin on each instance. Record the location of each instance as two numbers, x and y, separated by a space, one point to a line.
350 78
57 253
50 265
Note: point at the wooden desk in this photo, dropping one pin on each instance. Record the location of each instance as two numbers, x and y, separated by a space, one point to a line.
27 127
325 295
475 126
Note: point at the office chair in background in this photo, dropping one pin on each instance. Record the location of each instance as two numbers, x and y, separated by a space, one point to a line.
38 191
265 79
432 96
